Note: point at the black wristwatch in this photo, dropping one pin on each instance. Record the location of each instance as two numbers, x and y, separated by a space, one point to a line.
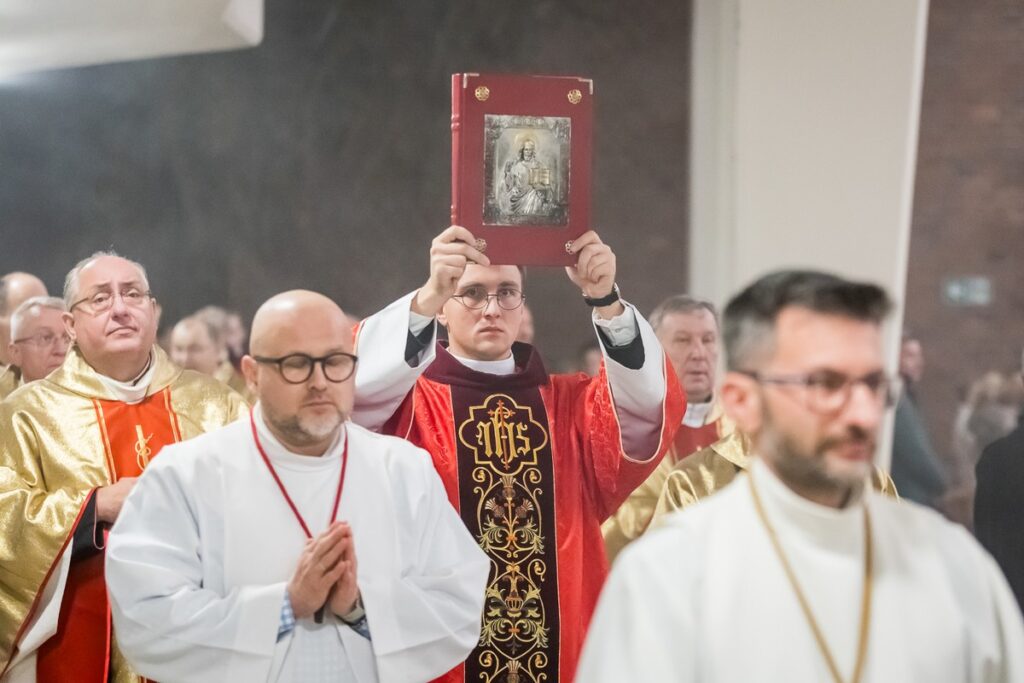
605 300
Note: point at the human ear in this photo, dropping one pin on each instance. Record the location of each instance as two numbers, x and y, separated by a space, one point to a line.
249 372
742 401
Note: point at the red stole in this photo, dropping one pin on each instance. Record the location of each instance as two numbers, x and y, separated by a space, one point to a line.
506 498
80 650
689 440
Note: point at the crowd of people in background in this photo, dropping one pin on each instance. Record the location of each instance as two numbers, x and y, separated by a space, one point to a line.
467 512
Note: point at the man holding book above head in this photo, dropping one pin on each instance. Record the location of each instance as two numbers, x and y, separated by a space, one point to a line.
533 462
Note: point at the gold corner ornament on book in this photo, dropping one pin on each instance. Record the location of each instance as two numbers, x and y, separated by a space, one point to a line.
509 465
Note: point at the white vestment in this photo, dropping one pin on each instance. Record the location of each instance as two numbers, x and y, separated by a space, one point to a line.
198 561
705 597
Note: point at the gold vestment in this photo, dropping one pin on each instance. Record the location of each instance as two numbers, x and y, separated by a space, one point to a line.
634 516
10 379
227 374
52 454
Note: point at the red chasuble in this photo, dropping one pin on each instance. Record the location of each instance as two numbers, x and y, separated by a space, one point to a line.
689 440
132 436
534 464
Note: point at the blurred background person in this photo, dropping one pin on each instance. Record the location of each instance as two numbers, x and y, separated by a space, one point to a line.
15 289
915 468
198 344
687 328
39 341
999 505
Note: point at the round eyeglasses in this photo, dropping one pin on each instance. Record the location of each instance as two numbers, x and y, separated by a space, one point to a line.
828 391
475 298
45 339
296 368
101 302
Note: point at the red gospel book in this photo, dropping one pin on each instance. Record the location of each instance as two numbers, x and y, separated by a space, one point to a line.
521 164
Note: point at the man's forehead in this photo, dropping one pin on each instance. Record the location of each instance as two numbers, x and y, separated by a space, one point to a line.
317 336
491 275
43 316
812 339
698 319
108 271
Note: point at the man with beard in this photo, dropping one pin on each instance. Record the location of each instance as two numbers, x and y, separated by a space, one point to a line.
294 546
71 448
797 571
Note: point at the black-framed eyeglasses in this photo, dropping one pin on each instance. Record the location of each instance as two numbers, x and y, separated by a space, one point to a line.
475 298
45 339
103 301
828 391
296 368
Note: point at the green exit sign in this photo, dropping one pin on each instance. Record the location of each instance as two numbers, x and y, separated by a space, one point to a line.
972 290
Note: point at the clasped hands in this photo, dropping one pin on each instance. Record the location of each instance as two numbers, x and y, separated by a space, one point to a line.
326 574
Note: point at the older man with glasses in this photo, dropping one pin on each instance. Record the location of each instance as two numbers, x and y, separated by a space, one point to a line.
15 289
295 546
39 341
533 462
71 448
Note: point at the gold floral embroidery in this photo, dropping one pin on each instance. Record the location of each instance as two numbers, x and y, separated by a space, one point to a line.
506 442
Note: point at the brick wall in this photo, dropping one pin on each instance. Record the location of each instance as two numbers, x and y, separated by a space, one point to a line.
969 199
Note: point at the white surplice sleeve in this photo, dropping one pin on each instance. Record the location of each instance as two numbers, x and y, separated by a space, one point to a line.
385 375
636 374
167 624
425 618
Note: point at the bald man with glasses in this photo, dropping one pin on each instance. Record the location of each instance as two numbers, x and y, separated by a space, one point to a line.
295 545
71 448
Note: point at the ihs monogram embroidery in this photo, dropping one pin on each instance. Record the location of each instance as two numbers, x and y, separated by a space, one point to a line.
510 493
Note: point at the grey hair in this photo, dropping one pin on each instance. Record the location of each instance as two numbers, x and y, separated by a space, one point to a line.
680 303
22 311
749 319
71 281
215 333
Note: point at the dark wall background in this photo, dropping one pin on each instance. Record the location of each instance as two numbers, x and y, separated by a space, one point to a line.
321 159
969 201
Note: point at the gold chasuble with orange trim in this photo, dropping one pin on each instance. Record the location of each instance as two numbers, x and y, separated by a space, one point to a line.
60 439
533 463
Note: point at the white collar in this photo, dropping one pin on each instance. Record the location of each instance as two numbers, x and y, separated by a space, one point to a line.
134 390
697 414
283 457
505 366
838 530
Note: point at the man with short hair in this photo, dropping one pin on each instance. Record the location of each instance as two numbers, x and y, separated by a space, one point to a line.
71 447
798 571
198 344
15 289
687 328
39 341
533 462
370 575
